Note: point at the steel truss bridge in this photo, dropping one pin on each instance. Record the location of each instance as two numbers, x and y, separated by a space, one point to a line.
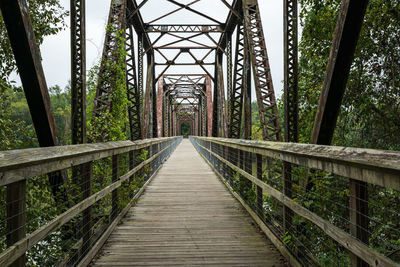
203 74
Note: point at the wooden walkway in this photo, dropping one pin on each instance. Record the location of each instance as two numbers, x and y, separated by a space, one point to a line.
187 217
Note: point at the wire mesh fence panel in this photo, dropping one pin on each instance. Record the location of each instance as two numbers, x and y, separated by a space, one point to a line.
327 212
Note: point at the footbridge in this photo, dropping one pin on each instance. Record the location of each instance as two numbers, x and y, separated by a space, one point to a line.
165 166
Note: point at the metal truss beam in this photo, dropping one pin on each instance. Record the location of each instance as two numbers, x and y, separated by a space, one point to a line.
348 27
136 20
290 95
231 22
78 71
116 23
239 84
133 91
182 28
267 106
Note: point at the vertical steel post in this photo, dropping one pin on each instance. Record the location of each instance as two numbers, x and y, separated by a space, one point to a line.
78 71
246 91
140 75
210 107
290 95
236 97
154 99
159 107
80 174
133 91
229 85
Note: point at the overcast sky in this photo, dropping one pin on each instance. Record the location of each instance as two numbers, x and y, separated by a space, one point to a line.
56 49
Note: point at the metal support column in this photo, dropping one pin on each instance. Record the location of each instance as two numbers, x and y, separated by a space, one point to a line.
290 95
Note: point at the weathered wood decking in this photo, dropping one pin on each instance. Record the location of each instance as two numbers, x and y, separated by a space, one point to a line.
187 217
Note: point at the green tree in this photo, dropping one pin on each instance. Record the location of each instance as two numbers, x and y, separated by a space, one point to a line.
370 109
16 130
48 18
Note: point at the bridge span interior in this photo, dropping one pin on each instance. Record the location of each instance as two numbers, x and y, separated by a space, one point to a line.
217 197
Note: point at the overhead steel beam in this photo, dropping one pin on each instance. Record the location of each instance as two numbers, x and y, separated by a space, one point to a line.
230 23
183 28
136 21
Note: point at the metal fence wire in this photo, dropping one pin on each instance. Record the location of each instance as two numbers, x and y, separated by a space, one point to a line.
313 221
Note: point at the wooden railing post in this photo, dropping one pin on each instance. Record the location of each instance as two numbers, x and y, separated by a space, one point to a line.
259 204
16 216
86 188
287 190
159 158
132 164
114 211
359 217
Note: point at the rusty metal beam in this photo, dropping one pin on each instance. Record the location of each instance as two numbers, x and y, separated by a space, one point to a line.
183 28
230 23
290 95
136 20
133 90
239 84
78 71
348 27
116 23
268 110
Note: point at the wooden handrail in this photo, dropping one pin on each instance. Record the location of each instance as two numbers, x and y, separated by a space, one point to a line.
379 167
17 165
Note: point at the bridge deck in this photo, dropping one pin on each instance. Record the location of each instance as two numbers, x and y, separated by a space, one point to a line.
187 217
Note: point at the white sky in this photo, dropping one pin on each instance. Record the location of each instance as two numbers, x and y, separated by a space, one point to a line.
56 49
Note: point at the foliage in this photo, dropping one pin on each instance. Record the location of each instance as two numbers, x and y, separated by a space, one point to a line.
110 125
369 112
185 129
14 132
47 18
16 128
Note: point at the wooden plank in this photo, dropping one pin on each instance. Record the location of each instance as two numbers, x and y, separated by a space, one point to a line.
16 165
89 256
170 226
352 244
279 245
379 167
